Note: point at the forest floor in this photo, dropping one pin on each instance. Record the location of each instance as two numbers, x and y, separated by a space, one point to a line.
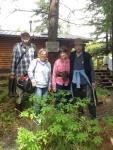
9 124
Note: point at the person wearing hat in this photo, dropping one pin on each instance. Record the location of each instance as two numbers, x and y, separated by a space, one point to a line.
82 76
23 53
60 75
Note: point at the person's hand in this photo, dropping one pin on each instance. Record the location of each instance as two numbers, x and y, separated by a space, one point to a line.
12 76
49 88
93 85
34 84
54 89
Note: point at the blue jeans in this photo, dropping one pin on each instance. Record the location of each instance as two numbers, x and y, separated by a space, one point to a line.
41 92
58 99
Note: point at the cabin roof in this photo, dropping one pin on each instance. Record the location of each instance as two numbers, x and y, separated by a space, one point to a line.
10 33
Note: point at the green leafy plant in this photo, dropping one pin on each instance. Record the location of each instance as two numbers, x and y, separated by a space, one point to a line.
1 148
4 88
27 139
60 128
109 120
102 93
7 118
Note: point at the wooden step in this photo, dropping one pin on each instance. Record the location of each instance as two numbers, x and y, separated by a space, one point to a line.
111 80
97 70
105 76
110 76
100 74
105 79
103 72
107 82
108 87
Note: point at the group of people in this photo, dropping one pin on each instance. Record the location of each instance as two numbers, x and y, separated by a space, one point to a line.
74 73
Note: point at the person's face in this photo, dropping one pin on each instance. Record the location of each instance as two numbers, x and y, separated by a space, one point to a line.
25 37
78 48
63 55
43 56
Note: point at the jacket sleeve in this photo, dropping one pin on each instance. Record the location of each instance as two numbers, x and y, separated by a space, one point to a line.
92 71
71 65
13 60
49 84
31 70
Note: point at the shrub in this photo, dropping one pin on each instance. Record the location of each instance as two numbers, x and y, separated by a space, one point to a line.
60 129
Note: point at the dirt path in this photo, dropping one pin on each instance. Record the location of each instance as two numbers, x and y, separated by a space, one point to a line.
103 110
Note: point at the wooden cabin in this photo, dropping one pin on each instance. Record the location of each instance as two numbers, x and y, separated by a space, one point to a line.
9 38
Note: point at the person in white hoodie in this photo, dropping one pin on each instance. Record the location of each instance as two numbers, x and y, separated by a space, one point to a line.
39 72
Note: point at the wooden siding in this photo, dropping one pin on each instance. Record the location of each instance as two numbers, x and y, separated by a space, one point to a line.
6 47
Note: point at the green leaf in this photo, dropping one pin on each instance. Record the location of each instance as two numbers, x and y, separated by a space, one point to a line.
97 140
82 137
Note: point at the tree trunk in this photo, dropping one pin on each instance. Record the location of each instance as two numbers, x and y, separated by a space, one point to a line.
53 20
53 29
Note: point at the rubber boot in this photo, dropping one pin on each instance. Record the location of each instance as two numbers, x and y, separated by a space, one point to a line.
18 110
91 105
92 111
14 88
10 86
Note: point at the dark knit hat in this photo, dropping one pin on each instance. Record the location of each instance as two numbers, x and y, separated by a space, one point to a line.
63 49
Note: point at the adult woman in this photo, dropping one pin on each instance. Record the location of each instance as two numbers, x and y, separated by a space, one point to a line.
40 75
60 76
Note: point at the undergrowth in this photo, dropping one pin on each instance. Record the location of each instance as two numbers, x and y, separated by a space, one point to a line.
60 129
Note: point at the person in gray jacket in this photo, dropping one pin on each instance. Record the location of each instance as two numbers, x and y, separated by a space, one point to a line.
39 72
